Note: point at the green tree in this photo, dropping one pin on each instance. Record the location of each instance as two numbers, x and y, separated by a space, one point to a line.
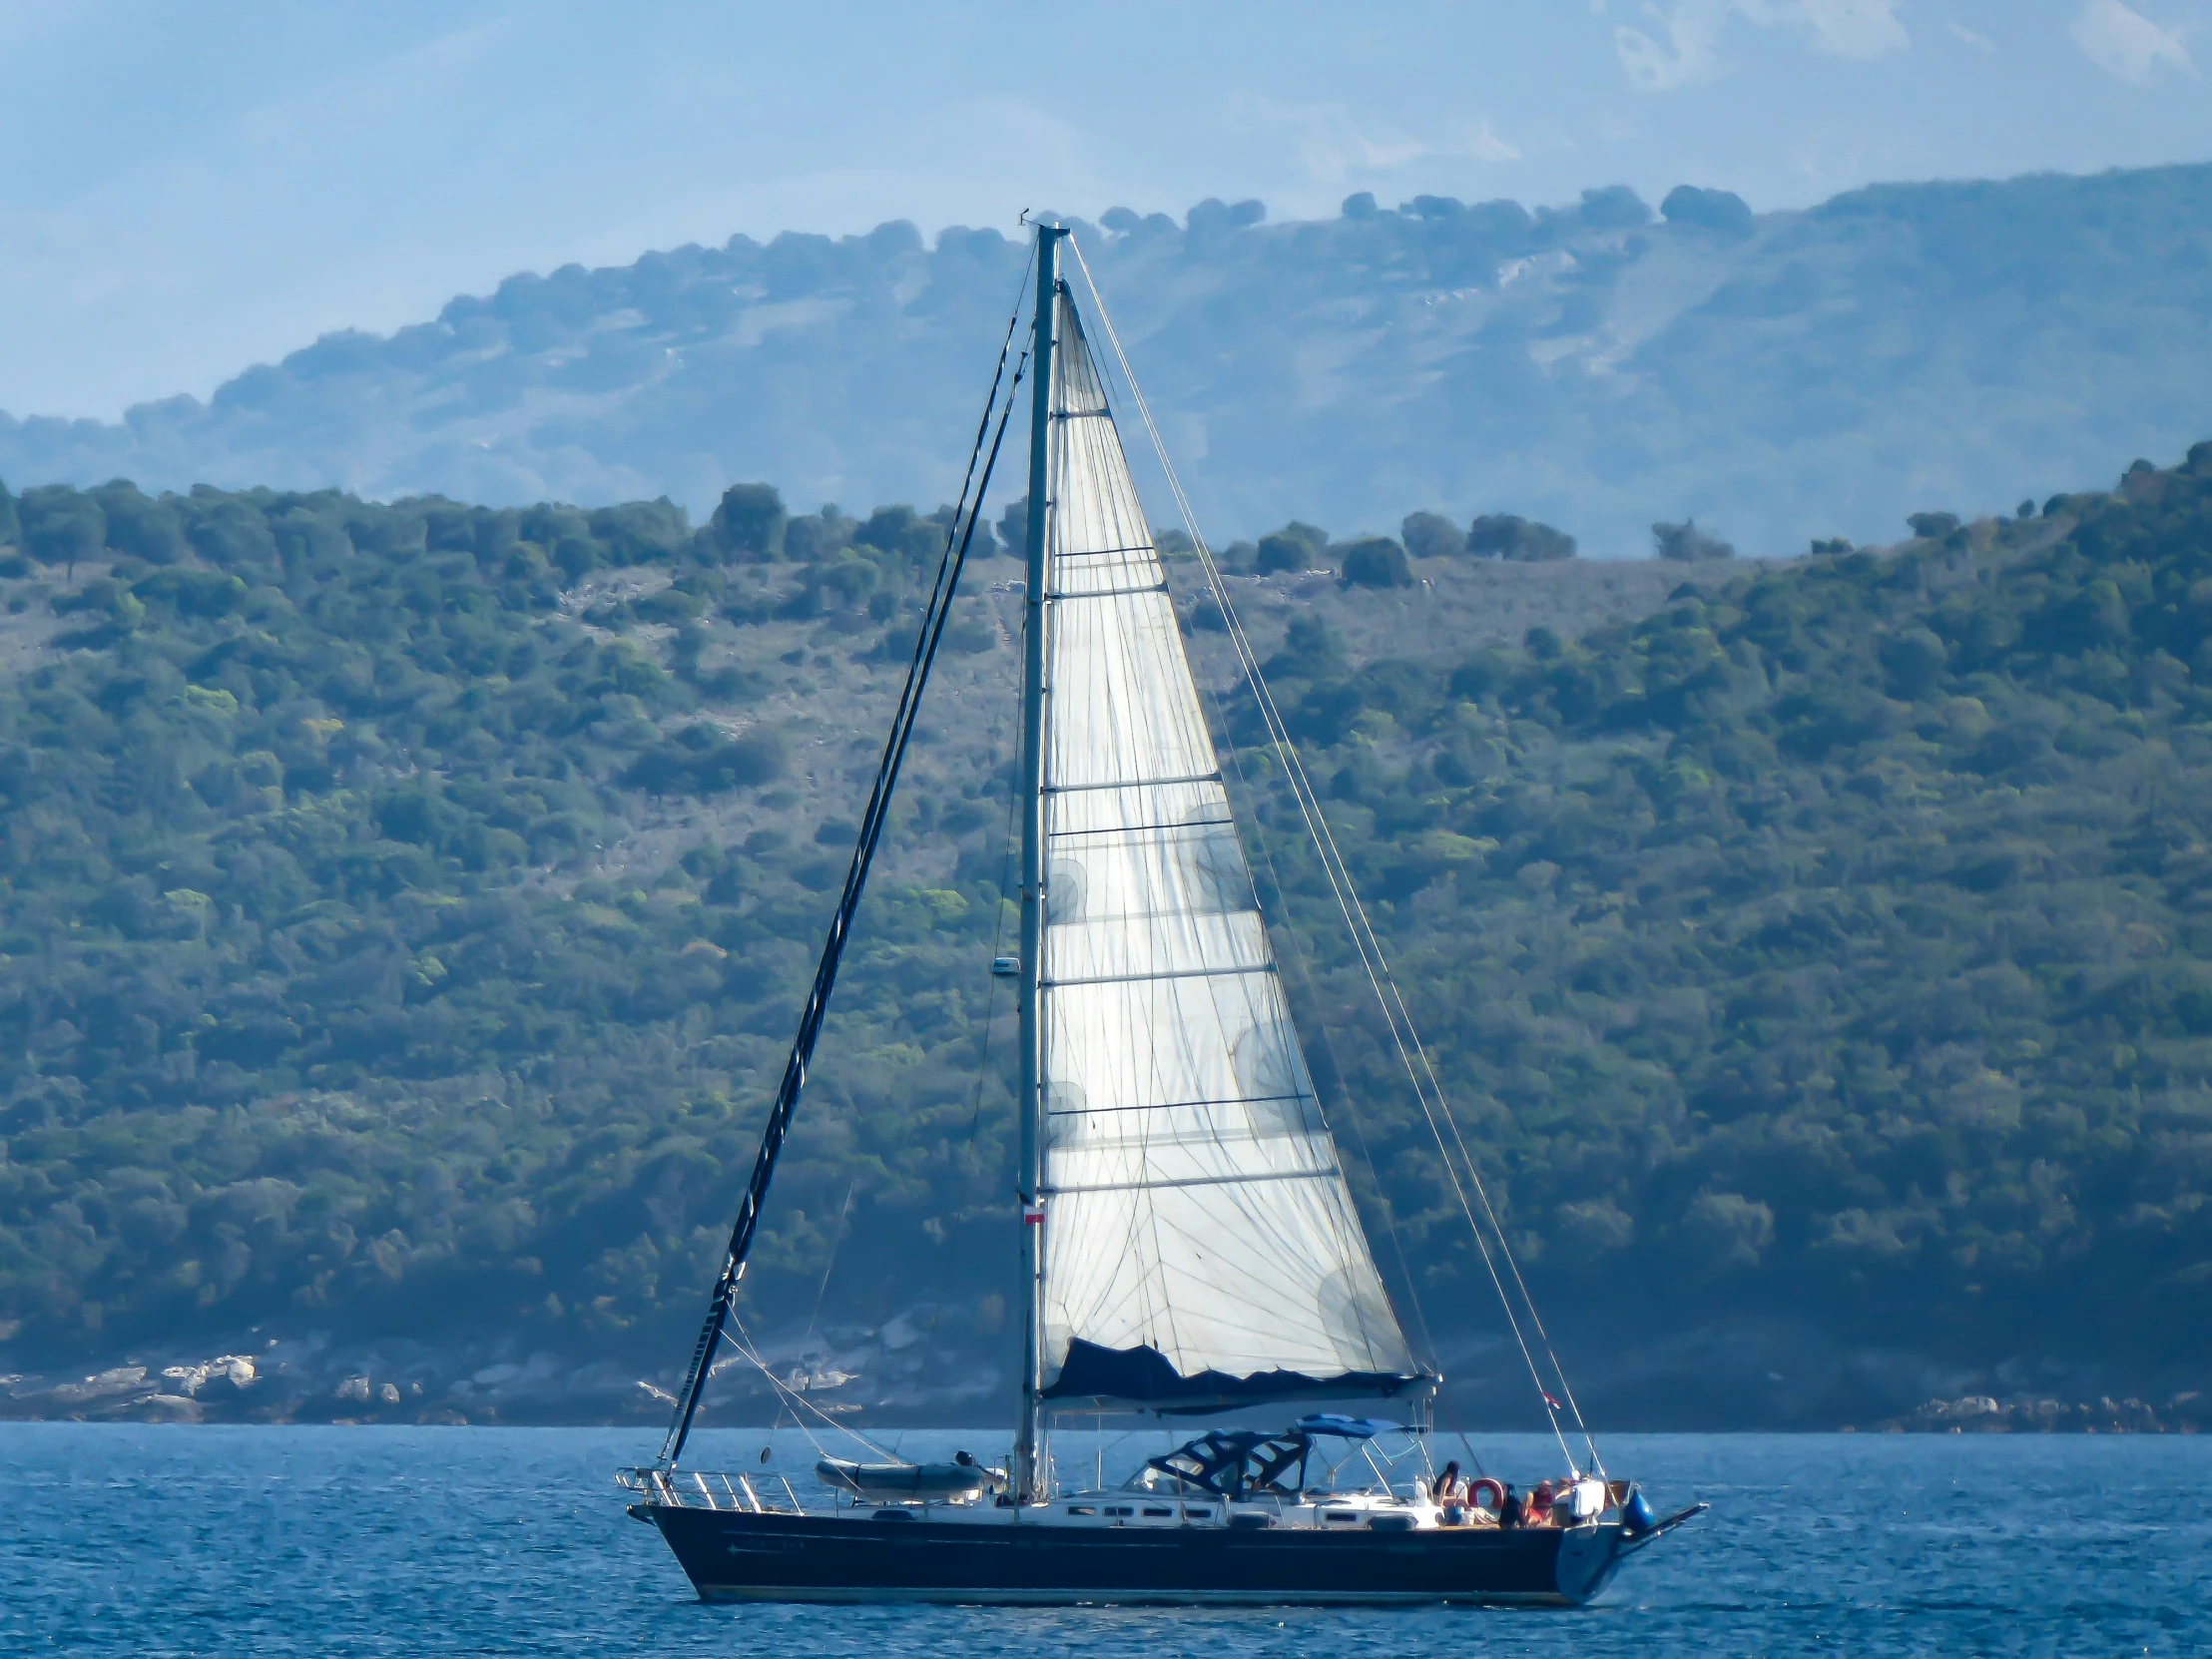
1296 546
637 532
145 529
1013 529
749 522
1509 536
62 525
813 536
1685 542
1432 536
1376 562
904 533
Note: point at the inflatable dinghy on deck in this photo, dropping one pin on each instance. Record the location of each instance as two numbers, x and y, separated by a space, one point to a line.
963 1477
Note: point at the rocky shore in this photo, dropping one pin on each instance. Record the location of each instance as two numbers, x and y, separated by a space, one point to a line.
2184 1414
292 1383
916 1369
890 1373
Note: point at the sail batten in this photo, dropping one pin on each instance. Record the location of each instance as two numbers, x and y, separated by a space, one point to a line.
1174 1105
1131 783
1331 1173
1200 1247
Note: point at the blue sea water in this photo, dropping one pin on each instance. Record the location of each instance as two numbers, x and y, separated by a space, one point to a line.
156 1542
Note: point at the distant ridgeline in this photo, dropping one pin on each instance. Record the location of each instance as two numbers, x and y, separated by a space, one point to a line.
1595 365
402 910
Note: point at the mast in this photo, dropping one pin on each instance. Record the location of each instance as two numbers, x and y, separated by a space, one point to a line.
1028 1482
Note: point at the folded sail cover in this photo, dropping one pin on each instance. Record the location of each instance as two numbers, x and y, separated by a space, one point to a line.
1200 1247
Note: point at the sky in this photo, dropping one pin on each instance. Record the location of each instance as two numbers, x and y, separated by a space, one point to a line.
186 189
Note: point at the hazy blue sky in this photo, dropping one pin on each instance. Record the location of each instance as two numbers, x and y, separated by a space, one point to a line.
191 188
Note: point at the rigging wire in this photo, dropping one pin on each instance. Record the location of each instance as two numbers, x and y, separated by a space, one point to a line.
836 1239
1412 1052
794 1398
934 616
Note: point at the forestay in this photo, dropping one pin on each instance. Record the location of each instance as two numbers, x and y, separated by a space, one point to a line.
1200 1247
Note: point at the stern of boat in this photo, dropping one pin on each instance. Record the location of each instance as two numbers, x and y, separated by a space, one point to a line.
1586 1561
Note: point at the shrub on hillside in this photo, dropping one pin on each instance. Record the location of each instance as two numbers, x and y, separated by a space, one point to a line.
1432 536
1509 536
1375 562
1686 542
1294 547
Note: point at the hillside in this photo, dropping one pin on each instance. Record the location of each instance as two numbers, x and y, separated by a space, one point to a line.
1782 376
403 908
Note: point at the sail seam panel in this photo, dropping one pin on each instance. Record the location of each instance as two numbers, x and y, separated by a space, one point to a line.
1197 1181
1144 828
1169 973
1212 777
1233 1310
1232 941
1170 803
1111 932
1109 729
1179 1105
1262 1283
1083 1019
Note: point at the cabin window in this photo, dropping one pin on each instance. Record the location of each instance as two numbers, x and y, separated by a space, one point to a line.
1339 1516
1198 1515
1081 1509
1124 1512
1167 1514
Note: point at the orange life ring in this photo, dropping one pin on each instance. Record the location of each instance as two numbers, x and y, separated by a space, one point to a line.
1496 1489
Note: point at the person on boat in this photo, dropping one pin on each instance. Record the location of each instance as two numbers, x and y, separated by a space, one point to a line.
1539 1505
1452 1496
1508 1509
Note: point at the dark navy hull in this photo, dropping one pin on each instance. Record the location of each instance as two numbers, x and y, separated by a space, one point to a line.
731 1557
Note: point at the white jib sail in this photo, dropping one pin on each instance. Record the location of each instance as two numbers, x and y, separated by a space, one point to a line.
1194 1202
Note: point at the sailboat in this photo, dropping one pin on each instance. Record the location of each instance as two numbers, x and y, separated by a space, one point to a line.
1190 1244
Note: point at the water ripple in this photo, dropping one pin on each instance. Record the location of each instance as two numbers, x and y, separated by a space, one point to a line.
358 1543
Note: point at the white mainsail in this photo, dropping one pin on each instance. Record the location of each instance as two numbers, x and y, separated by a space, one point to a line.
1200 1245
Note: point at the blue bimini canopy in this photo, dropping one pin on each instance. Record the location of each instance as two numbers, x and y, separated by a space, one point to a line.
1349 1428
